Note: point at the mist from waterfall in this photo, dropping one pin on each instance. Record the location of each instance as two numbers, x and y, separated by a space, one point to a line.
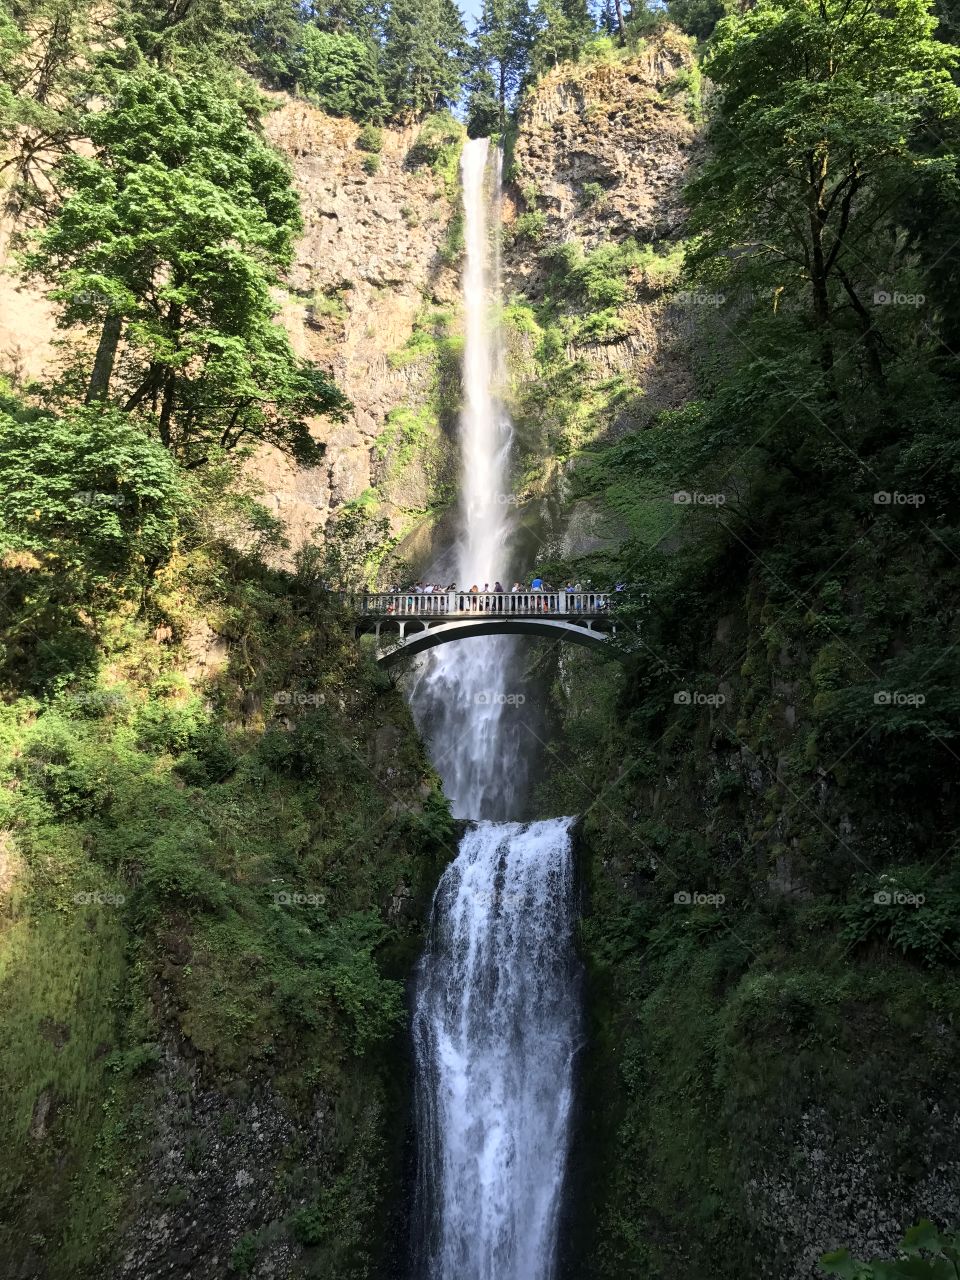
496 1019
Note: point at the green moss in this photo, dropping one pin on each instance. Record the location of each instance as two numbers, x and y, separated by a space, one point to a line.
452 248
406 432
143 821
438 144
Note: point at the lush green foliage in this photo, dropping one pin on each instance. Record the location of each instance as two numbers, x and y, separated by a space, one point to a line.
926 1252
786 734
168 240
341 72
89 493
806 146
226 839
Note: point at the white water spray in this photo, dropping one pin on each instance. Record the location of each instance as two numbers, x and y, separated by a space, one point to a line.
495 1032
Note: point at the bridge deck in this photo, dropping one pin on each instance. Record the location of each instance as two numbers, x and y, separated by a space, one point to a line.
435 605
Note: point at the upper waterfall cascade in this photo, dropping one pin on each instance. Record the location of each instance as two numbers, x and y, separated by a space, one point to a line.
459 690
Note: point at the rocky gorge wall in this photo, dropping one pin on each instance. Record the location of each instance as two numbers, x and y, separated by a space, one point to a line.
376 262
594 220
373 295
771 1079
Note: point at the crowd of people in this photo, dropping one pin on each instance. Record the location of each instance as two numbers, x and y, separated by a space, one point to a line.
495 598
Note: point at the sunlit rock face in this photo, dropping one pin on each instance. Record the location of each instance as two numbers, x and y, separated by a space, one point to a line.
368 265
622 126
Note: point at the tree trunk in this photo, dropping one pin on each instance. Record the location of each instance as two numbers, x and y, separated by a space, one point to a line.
817 169
166 410
871 340
621 25
99 387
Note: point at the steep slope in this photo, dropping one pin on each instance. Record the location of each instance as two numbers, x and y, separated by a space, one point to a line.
217 853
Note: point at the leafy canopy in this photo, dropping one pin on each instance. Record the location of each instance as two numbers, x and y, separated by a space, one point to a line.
829 116
170 237
341 72
926 1252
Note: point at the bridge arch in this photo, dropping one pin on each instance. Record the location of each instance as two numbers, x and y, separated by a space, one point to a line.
445 632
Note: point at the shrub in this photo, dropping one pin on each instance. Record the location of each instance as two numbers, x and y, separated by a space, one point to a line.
211 759
370 138
89 493
328 303
175 868
63 769
600 326
529 227
168 722
371 165
437 133
688 82
438 145
244 1255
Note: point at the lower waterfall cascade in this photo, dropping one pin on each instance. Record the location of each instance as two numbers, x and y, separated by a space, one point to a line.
495 1033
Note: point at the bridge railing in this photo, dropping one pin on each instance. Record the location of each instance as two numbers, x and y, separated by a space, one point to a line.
467 604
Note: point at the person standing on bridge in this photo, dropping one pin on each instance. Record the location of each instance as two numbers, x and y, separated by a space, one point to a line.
474 591
498 603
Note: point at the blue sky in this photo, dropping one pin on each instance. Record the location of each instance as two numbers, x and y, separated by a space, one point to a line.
470 10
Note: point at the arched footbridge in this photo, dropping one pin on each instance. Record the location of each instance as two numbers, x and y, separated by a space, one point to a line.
405 623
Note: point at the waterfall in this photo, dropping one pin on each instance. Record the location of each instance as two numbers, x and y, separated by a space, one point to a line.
496 1015
465 697
495 1032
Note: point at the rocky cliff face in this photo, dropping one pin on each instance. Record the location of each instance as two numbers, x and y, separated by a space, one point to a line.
377 260
593 239
621 126
371 264
599 157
